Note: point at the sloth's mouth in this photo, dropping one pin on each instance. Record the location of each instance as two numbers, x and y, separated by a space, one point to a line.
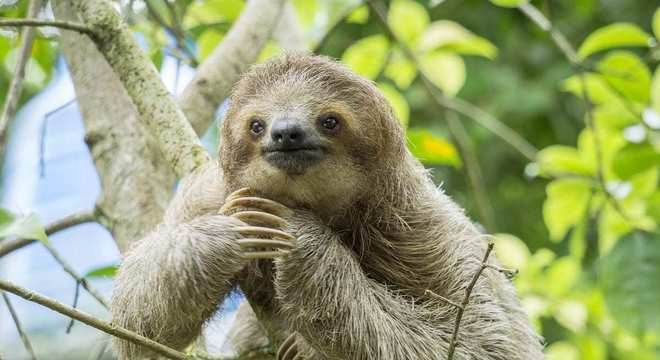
293 160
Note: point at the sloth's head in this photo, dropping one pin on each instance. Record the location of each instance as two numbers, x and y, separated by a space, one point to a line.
307 131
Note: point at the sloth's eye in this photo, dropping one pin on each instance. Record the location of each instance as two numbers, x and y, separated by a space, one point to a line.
256 127
329 122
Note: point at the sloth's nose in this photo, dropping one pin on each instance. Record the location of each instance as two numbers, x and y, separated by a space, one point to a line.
288 134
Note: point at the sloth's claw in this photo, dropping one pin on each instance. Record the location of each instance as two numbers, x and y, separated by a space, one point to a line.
288 350
238 193
256 202
264 232
265 243
264 254
261 218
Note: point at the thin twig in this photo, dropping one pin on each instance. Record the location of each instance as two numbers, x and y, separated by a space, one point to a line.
466 300
579 68
79 279
8 246
92 321
16 86
76 297
66 25
19 327
509 273
175 29
442 298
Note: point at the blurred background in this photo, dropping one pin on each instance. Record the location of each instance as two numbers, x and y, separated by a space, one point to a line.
566 178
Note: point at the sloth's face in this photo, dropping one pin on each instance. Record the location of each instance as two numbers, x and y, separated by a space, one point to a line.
307 132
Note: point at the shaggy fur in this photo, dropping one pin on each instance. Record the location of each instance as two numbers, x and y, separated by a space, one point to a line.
373 234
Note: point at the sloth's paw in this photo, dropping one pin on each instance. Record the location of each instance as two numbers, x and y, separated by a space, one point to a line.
263 238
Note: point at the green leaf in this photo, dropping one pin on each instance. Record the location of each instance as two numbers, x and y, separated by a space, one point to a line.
563 160
511 251
598 90
613 116
508 3
634 159
445 70
408 19
212 11
565 205
656 23
306 11
431 149
359 15
450 35
628 74
655 90
613 36
629 276
562 275
25 227
398 103
367 56
207 42
400 70
104 271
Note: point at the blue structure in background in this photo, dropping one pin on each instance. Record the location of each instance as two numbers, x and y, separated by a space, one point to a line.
49 170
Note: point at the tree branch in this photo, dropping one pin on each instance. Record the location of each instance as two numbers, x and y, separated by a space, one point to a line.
157 108
466 300
72 220
19 327
104 326
238 50
579 68
16 86
67 25
288 33
79 279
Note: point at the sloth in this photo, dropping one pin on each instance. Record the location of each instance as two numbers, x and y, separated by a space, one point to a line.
334 232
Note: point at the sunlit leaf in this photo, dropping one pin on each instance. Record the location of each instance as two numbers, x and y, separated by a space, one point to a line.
400 70
572 315
592 348
26 227
445 70
431 149
613 36
635 158
628 74
655 90
450 35
367 56
397 101
207 42
562 350
508 3
408 19
511 251
306 11
562 275
359 15
629 276
104 271
565 205
613 116
598 91
212 11
563 160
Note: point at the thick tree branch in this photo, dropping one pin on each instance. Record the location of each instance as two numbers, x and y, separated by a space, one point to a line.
19 327
66 25
157 108
135 178
16 85
72 220
238 50
104 326
288 33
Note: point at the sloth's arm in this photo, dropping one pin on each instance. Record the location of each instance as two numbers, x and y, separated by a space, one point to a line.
330 301
173 280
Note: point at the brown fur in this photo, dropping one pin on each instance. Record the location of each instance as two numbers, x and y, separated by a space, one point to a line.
373 234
